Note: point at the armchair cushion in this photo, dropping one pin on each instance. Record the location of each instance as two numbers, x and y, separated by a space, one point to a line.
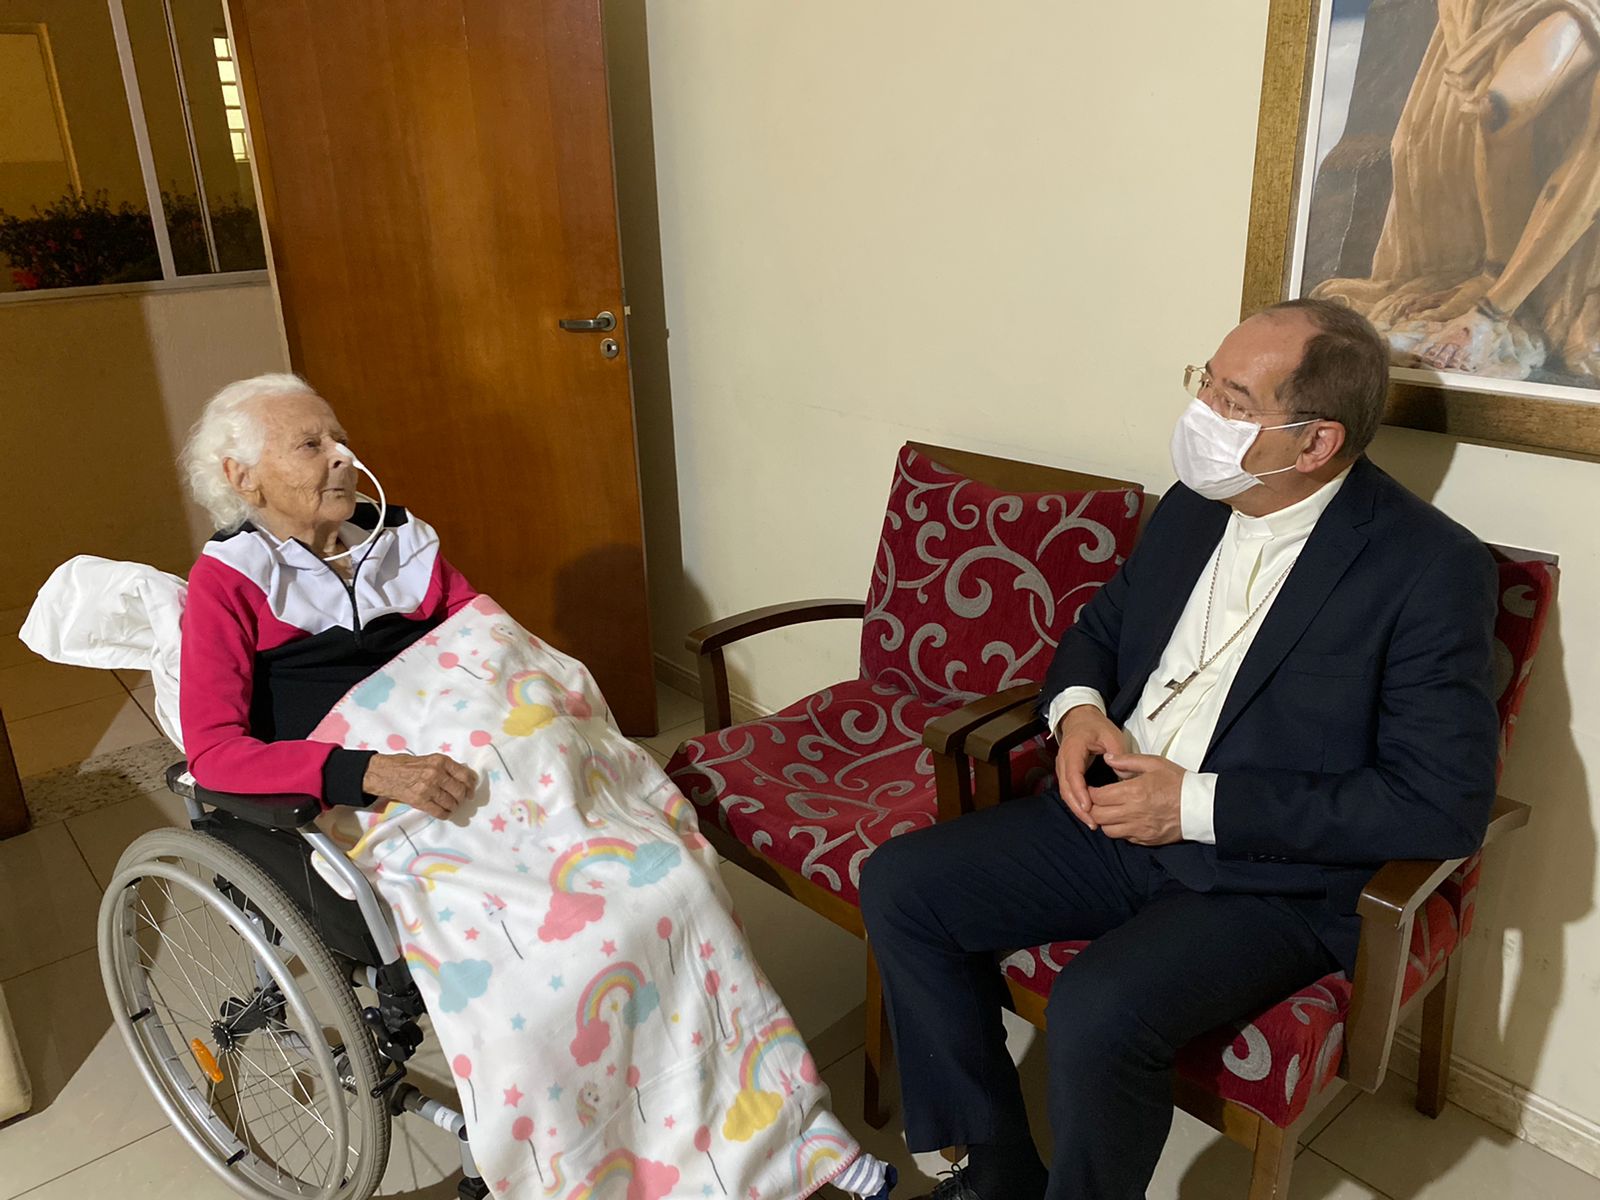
972 586
1275 1063
820 785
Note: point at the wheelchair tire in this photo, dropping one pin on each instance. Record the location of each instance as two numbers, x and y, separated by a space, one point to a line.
242 1022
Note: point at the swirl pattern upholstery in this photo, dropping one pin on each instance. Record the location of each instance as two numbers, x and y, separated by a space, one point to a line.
1275 1063
971 589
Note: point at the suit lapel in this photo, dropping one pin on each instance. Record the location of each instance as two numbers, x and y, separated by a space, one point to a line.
1184 562
1333 545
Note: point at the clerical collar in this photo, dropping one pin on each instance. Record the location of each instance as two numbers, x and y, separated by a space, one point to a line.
1297 520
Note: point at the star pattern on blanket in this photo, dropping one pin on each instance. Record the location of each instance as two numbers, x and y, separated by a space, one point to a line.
624 1002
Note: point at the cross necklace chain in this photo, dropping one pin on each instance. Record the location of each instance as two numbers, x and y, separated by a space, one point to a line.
1176 686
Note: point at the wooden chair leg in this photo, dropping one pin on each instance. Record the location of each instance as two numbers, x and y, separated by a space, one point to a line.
880 1049
1438 1037
1274 1159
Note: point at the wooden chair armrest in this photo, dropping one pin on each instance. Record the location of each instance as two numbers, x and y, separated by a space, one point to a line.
990 746
773 616
707 642
1388 908
947 734
997 737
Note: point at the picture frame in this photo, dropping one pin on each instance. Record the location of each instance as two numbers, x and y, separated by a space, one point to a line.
1549 416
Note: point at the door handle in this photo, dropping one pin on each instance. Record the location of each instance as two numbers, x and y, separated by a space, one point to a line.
603 323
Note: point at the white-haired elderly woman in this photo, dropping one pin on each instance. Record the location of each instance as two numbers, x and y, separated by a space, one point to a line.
282 620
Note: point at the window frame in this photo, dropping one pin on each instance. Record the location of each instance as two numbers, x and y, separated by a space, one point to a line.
171 280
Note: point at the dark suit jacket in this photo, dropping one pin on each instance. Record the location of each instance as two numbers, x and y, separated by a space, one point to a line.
1361 725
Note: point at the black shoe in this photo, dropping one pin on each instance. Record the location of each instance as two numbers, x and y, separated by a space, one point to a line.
953 1185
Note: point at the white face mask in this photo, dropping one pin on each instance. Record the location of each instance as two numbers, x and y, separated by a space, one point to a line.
1208 451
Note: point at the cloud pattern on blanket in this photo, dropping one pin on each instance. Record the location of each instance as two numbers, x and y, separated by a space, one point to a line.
572 938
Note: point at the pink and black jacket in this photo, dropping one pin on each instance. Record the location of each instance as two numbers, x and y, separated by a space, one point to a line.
273 637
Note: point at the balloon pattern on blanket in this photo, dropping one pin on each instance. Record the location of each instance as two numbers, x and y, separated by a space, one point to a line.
572 939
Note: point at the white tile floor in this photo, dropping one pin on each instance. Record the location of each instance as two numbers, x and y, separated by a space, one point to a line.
95 1132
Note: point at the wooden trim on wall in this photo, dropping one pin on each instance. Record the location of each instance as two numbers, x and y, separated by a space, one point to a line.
1534 422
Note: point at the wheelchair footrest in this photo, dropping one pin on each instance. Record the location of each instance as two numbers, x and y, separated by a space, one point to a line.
472 1189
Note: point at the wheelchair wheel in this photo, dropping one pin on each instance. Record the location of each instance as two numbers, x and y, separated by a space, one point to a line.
242 1022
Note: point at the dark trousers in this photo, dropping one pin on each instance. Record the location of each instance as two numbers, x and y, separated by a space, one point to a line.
1167 964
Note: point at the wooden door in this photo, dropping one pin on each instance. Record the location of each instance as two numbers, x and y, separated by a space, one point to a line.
437 187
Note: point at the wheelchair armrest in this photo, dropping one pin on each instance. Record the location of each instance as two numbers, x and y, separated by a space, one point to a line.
279 810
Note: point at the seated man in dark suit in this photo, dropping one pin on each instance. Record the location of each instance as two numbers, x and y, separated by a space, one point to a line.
1287 684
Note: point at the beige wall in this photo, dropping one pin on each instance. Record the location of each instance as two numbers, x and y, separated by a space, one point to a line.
1009 230
96 396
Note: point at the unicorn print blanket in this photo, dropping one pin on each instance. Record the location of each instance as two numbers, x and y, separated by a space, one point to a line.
610 1031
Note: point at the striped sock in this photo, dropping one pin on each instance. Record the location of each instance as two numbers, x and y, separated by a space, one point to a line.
866 1177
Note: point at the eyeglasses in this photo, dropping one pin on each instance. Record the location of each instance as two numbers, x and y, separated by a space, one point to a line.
1200 384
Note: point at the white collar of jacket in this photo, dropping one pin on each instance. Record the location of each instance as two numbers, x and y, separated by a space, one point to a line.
1297 520
392 575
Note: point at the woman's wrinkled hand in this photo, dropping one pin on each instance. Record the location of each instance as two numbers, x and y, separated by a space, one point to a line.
431 783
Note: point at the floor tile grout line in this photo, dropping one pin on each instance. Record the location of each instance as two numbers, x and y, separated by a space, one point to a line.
87 866
839 1058
1366 1183
92 948
1348 1105
12 721
97 1158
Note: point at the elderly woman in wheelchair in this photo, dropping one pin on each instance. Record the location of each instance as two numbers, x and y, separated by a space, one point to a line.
406 808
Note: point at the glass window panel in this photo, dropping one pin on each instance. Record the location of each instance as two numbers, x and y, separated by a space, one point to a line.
73 206
169 135
225 183
72 202
218 125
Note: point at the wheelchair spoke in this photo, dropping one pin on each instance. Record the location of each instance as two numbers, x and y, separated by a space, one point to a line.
272 1079
215 972
189 982
296 1111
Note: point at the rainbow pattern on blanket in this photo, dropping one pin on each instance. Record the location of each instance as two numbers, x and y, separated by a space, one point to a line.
646 1180
608 1028
820 1156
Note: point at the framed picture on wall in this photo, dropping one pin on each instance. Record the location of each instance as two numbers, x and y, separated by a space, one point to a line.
1435 164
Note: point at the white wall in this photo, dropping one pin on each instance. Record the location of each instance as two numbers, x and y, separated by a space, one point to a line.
96 396
1009 229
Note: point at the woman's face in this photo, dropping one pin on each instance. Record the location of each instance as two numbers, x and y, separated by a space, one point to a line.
303 486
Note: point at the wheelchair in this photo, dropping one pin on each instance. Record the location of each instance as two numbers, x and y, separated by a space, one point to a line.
271 1017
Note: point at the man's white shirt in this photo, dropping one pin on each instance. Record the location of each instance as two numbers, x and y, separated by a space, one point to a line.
1254 553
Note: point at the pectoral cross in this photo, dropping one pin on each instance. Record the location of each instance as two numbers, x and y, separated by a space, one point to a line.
1176 686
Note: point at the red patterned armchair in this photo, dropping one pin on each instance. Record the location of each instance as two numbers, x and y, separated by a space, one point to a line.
981 565
1255 1081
